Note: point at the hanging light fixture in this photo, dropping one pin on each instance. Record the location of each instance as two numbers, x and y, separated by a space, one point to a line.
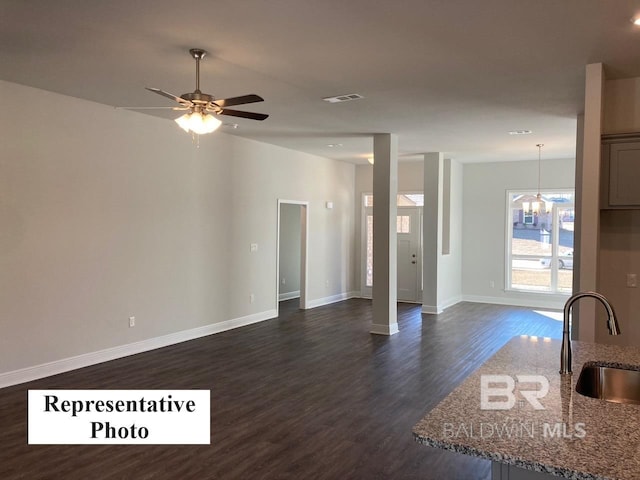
537 205
202 109
198 122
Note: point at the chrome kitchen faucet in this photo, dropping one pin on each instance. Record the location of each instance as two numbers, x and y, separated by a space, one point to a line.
565 351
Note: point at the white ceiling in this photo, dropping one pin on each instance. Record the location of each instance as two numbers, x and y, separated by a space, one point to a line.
444 75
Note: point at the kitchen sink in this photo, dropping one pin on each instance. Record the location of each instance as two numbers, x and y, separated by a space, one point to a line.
613 384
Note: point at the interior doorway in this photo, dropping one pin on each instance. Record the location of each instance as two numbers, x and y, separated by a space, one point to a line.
292 250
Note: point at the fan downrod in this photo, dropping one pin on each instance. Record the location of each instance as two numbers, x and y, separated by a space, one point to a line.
198 54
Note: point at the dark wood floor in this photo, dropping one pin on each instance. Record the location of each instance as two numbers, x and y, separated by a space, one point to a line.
308 395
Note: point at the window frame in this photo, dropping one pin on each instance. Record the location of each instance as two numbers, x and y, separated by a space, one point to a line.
508 217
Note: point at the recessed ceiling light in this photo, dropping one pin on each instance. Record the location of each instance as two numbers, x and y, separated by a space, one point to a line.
333 145
520 132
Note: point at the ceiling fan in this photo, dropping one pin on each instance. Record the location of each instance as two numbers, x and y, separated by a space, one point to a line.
202 108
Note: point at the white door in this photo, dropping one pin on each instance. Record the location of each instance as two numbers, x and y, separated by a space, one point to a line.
408 253
409 258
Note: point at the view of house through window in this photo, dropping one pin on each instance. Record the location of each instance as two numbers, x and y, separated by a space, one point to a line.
540 241
404 200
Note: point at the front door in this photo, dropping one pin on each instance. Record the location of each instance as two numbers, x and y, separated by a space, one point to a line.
409 231
408 253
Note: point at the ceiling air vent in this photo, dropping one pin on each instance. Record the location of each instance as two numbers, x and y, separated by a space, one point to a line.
343 98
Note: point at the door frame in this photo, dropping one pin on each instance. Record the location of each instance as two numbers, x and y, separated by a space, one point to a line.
418 280
304 252
365 291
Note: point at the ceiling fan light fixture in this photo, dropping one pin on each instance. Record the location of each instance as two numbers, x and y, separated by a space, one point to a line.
198 123
211 123
203 109
183 121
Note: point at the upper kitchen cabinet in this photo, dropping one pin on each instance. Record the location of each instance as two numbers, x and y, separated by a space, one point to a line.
620 156
620 171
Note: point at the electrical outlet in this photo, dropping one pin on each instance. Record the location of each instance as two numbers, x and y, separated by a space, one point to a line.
492 284
284 281
132 322
632 280
252 298
253 247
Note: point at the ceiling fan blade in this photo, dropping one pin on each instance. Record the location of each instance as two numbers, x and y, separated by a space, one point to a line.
182 101
238 113
230 102
153 108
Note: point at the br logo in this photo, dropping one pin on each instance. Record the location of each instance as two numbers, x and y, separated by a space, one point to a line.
497 391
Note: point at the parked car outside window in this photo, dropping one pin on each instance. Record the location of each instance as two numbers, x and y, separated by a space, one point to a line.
564 261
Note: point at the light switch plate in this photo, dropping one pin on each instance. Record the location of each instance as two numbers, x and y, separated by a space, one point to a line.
254 247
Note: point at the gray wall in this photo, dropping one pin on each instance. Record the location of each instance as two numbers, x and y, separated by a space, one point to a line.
619 256
619 252
484 225
109 213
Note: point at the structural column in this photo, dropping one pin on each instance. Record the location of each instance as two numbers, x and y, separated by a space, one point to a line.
385 252
587 224
432 230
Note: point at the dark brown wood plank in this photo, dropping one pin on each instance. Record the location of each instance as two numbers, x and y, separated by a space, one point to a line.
308 395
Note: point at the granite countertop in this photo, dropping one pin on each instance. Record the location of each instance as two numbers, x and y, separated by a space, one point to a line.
573 436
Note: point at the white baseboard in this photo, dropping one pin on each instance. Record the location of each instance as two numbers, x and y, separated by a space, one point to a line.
432 309
319 302
72 363
441 307
384 329
289 295
552 303
451 302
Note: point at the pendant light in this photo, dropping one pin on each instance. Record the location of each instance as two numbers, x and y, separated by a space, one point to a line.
539 202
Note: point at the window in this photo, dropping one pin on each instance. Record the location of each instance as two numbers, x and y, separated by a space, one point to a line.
403 224
369 253
540 241
404 200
